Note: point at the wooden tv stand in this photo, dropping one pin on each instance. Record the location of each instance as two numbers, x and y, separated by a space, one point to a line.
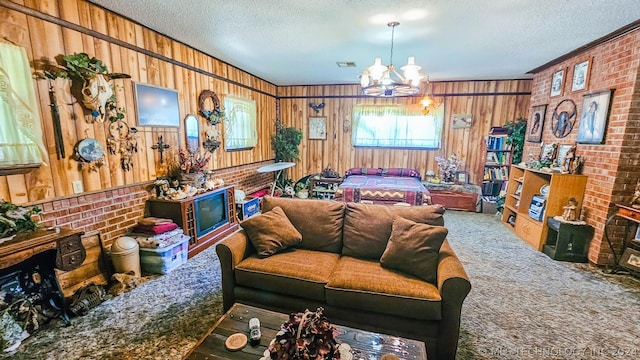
182 212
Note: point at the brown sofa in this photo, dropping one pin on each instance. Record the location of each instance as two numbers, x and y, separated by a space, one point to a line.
337 266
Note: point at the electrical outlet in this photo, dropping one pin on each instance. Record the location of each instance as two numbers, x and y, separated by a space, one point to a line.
77 187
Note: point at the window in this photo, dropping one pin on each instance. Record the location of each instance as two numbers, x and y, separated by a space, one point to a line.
20 129
240 123
397 126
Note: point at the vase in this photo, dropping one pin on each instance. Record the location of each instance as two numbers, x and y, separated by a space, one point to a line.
194 179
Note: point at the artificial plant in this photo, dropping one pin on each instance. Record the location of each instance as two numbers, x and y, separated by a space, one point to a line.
285 144
517 129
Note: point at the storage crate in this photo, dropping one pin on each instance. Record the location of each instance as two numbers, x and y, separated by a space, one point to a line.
164 260
248 207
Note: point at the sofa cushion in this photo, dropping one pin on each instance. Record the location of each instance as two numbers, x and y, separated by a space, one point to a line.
367 227
414 248
366 285
296 272
319 221
271 232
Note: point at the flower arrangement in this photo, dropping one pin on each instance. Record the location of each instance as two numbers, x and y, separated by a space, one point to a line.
307 335
448 167
193 162
14 218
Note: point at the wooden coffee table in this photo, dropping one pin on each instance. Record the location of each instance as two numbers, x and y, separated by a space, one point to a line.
366 345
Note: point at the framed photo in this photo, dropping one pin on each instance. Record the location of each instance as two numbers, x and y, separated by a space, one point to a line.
461 121
548 153
580 76
156 106
593 118
536 123
631 260
462 177
317 128
563 149
557 83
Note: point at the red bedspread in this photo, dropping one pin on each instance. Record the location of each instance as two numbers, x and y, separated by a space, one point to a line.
383 189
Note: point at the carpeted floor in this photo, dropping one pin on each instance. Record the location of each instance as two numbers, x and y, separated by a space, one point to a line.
523 305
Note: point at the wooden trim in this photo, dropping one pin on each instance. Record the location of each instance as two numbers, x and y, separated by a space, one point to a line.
414 96
609 37
52 19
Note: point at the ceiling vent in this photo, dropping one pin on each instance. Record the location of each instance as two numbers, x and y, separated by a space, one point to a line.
344 64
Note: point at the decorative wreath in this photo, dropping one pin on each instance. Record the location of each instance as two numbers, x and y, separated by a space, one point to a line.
215 116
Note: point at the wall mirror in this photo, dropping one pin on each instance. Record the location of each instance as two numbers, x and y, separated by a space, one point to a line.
192 132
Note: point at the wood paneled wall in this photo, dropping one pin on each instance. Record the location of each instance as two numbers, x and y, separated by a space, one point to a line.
48 28
492 103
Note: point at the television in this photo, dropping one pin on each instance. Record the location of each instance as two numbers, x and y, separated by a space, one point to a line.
205 218
211 212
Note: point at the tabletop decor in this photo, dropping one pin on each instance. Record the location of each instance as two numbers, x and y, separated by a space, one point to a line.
307 335
193 166
15 219
448 167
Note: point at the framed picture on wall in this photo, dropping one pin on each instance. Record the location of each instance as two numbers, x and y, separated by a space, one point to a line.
580 76
317 128
593 118
557 83
156 106
461 121
536 123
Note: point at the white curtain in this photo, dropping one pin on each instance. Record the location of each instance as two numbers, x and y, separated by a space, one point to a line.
20 126
240 130
397 126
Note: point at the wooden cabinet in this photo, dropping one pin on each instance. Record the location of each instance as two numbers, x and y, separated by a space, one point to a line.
324 188
205 218
526 185
497 162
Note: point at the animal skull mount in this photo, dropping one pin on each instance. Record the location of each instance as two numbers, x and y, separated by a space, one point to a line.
95 94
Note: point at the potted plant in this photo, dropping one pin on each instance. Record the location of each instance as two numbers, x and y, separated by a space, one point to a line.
285 144
302 190
517 130
15 219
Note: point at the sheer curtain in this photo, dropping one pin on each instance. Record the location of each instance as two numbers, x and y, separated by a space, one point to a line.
397 126
241 124
20 126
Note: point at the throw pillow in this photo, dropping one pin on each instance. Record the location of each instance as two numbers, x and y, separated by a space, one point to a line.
271 232
413 248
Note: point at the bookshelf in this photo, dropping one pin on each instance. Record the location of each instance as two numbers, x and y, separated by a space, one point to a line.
524 186
497 162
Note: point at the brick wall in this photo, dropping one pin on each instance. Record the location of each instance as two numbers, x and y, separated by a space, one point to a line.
612 168
112 212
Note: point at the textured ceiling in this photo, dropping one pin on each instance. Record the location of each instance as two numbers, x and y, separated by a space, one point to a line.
298 42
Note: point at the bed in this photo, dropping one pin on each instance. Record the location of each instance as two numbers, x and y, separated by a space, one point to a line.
383 186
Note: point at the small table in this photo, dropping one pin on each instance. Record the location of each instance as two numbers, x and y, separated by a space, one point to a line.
568 241
237 320
275 167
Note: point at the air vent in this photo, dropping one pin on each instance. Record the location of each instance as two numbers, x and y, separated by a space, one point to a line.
346 64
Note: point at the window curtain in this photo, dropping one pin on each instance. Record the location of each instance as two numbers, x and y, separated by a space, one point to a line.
240 123
397 126
20 127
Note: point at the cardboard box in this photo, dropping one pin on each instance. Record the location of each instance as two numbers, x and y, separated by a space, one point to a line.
166 259
248 207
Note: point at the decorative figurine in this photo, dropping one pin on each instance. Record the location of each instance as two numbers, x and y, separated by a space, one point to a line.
578 163
567 164
635 200
570 210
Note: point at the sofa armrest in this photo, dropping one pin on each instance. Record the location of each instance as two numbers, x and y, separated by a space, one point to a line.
454 285
231 251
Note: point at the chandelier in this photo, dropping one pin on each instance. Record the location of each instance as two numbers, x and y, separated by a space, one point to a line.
385 81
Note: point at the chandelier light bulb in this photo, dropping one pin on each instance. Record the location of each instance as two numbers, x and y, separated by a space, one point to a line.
377 70
364 79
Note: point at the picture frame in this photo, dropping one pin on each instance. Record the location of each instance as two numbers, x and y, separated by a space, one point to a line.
462 121
536 123
548 152
462 177
317 128
581 73
563 149
630 260
156 106
594 116
557 83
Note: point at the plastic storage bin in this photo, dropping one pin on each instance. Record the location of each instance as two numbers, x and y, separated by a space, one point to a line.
164 260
